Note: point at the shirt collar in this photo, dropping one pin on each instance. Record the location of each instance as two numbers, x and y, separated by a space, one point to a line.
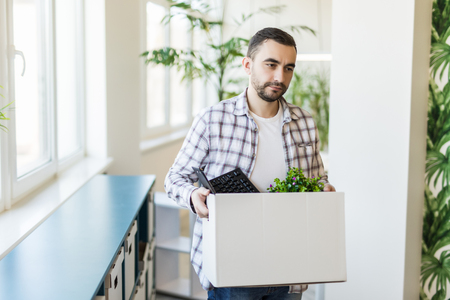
241 107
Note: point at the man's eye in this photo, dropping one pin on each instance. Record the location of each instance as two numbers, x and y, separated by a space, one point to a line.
290 69
270 65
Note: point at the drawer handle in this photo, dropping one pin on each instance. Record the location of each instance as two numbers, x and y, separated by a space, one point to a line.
116 282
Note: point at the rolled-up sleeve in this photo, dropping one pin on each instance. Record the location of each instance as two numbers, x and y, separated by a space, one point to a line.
193 153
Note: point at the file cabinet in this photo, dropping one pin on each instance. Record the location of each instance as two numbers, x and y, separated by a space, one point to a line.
80 252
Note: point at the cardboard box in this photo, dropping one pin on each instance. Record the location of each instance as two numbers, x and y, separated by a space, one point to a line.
274 239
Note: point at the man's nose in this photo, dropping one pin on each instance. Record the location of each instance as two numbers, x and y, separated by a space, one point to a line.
279 75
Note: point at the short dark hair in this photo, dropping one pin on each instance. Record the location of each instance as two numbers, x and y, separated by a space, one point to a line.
269 33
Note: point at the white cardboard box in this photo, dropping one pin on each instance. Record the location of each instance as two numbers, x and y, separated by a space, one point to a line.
274 239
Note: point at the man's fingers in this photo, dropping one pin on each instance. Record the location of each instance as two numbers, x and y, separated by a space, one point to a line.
204 191
329 188
202 212
199 199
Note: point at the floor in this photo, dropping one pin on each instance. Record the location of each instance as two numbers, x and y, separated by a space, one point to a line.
164 297
308 295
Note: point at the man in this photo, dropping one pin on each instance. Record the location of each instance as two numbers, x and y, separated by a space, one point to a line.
257 131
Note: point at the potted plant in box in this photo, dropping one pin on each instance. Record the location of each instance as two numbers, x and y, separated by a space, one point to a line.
296 182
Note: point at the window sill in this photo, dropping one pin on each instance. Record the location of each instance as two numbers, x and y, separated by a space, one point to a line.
151 144
30 212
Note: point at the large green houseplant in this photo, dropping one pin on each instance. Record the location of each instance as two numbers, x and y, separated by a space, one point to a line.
435 271
223 53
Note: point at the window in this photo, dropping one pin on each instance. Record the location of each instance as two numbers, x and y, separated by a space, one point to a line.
45 81
156 92
168 101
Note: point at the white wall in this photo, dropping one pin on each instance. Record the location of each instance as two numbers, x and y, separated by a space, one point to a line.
315 14
377 142
113 83
123 84
159 160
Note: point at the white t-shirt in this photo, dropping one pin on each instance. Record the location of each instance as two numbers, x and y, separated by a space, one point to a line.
269 162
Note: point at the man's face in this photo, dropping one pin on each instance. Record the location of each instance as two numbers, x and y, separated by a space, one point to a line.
271 69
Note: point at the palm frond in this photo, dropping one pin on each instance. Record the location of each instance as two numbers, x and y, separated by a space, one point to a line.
436 221
440 17
3 117
440 58
299 29
439 295
438 165
437 270
438 115
423 296
270 10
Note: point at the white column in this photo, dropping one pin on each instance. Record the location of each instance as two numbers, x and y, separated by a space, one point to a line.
122 19
379 87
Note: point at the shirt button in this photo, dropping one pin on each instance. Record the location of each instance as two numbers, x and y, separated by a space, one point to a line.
256 129
254 155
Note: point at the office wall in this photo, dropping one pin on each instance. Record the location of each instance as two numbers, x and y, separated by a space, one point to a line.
315 14
377 142
158 161
123 82
113 83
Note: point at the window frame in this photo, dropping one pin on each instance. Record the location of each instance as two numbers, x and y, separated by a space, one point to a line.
166 128
13 189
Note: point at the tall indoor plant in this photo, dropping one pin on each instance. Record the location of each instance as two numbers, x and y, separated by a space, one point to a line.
222 53
435 270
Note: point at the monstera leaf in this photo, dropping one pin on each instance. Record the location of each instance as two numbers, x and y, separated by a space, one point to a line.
436 221
438 165
437 270
436 217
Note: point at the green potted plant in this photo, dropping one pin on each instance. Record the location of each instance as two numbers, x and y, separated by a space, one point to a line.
296 182
435 270
222 54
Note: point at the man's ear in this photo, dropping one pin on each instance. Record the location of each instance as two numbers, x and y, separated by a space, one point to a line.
247 64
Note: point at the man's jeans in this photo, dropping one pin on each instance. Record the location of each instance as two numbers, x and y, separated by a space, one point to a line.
256 293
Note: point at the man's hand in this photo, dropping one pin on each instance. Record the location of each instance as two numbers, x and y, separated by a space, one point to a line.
329 188
198 198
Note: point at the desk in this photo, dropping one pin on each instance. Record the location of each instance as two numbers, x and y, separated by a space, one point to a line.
69 255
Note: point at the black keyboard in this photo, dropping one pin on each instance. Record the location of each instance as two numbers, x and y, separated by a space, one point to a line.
232 182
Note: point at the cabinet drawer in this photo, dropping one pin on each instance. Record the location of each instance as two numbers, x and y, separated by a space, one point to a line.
130 260
113 281
144 249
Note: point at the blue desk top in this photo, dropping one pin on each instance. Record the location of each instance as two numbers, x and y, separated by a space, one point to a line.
68 256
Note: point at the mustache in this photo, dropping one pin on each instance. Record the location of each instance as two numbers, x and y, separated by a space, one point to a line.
275 83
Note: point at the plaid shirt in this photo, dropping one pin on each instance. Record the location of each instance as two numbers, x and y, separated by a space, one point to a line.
224 137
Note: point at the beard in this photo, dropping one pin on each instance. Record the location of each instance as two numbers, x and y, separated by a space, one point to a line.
269 96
